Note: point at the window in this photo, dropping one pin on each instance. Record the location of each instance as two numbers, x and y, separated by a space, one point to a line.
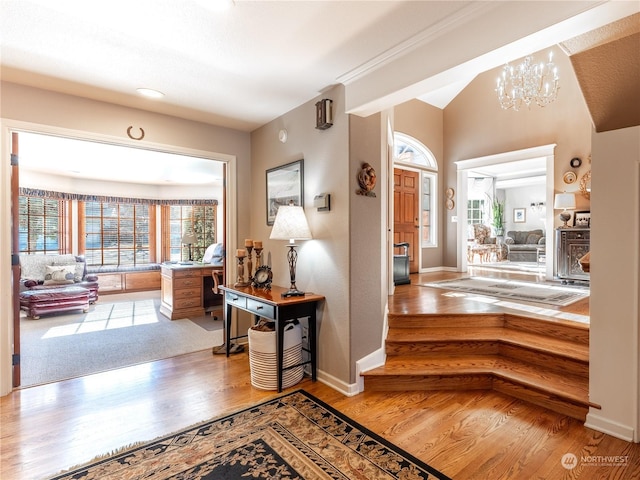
116 233
410 151
475 212
41 225
183 219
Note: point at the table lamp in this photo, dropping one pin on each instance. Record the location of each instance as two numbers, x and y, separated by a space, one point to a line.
291 224
565 201
189 239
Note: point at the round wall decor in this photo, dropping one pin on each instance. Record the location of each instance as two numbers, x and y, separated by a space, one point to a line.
569 177
575 162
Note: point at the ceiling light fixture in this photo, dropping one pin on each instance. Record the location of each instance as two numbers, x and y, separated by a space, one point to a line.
149 93
528 83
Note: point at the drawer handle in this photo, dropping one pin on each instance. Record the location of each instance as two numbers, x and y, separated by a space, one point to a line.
235 299
259 307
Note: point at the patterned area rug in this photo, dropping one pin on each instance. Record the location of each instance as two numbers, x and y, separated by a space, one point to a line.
547 293
295 436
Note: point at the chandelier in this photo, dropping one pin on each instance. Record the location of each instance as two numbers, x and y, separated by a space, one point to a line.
528 83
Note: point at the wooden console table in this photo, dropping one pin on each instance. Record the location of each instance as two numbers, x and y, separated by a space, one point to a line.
186 288
269 304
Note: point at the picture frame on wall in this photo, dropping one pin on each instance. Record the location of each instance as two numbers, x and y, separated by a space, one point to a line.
519 215
582 219
285 184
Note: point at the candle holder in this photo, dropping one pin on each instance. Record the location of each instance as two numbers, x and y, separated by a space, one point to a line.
250 263
258 256
241 281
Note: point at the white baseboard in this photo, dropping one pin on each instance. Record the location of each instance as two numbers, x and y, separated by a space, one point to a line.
604 425
438 269
348 390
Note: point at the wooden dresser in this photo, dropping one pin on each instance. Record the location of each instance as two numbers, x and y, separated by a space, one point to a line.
186 290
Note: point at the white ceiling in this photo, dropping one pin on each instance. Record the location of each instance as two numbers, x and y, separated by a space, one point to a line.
246 65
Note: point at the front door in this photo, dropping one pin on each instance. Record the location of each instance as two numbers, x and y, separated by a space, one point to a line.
406 227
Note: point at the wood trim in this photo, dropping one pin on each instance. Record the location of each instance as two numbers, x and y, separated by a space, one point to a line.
15 250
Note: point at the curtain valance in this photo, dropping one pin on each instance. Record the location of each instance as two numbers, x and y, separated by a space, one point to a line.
34 192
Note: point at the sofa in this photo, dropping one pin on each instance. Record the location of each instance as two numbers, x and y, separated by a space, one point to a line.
522 245
45 273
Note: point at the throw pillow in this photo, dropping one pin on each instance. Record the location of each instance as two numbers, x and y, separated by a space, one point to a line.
532 239
59 274
509 241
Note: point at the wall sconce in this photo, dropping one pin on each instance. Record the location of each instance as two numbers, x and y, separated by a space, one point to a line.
537 206
324 114
322 202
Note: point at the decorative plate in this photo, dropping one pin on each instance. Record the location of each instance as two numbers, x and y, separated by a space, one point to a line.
450 204
262 277
449 192
569 177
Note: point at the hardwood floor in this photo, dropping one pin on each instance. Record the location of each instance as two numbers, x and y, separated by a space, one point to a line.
464 434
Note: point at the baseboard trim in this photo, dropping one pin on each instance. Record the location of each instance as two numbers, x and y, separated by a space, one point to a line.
438 269
604 425
348 390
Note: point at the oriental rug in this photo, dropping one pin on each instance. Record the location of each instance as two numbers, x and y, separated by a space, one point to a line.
547 292
295 436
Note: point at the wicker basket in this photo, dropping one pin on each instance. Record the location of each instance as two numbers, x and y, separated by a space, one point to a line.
262 357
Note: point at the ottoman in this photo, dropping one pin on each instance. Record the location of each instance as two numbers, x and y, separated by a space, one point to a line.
50 300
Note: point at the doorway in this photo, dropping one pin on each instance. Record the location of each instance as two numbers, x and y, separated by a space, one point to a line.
515 169
62 171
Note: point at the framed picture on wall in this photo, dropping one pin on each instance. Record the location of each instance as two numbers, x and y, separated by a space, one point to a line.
284 185
582 219
519 215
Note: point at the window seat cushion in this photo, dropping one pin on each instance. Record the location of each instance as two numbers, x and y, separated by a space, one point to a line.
97 269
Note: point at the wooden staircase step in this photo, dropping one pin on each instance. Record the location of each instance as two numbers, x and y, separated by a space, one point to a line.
461 320
561 391
486 340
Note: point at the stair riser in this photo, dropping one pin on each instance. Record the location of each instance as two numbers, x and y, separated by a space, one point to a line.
450 321
559 330
559 363
442 348
543 399
389 383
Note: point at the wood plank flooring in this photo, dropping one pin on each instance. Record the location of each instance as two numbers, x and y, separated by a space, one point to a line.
465 434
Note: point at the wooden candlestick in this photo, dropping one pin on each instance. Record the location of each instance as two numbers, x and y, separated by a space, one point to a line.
240 282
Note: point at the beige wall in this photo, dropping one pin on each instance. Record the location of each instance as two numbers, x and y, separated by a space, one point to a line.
475 125
39 109
425 122
615 284
323 263
367 248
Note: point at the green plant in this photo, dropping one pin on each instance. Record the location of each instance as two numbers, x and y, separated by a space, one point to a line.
497 215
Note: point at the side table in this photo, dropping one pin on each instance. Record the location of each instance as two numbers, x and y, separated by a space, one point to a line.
269 304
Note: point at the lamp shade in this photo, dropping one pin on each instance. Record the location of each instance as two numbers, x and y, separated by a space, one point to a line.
290 224
188 239
565 201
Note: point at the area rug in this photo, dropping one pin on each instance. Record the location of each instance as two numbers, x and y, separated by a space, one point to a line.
295 436
547 293
118 331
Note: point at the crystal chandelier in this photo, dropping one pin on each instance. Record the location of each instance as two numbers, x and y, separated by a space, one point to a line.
528 83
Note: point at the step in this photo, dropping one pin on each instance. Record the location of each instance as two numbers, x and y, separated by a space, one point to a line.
461 320
560 391
533 348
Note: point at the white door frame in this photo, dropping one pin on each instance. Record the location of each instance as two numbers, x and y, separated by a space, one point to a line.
464 166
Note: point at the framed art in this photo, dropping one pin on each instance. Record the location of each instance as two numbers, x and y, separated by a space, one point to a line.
519 215
582 219
285 184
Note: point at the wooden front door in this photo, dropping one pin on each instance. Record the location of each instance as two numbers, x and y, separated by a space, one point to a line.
406 205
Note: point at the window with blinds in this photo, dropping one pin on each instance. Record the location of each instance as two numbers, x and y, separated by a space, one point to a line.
184 219
41 225
116 233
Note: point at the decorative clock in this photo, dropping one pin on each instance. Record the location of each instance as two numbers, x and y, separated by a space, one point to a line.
262 277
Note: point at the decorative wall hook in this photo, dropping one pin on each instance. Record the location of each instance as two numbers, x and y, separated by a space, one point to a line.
135 138
367 180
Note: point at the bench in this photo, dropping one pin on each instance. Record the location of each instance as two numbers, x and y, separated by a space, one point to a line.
53 300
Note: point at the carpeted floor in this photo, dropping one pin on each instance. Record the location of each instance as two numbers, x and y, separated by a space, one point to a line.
543 292
295 436
118 331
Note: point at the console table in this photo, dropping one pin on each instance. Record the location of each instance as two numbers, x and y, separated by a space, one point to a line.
269 304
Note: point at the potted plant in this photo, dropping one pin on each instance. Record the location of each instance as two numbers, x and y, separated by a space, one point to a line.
497 217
